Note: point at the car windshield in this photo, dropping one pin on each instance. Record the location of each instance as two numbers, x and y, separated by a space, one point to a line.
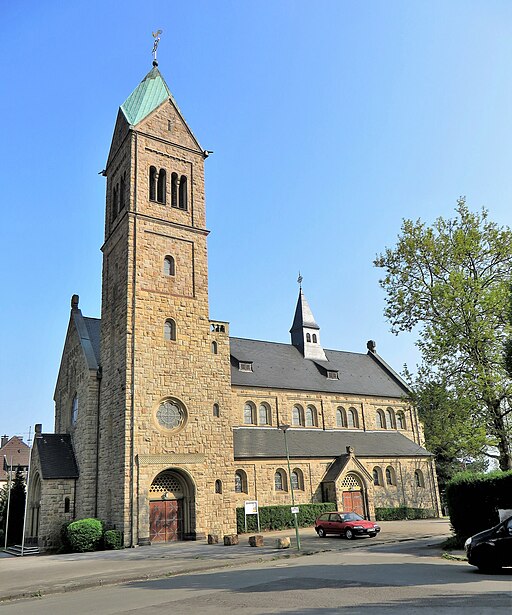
351 516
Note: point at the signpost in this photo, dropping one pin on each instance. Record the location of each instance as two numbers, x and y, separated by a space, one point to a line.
251 508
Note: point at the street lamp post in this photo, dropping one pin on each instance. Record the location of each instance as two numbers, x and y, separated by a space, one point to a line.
284 429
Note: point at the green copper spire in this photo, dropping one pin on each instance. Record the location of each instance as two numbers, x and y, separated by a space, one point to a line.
151 92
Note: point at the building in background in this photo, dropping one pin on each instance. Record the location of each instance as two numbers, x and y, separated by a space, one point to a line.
164 424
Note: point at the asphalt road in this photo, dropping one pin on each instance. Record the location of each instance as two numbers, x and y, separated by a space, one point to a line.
408 577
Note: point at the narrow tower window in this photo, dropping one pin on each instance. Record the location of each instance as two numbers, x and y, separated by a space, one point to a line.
115 201
183 192
169 266
152 183
160 191
122 190
174 190
170 330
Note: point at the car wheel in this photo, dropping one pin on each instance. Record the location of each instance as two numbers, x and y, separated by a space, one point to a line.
349 534
372 534
321 532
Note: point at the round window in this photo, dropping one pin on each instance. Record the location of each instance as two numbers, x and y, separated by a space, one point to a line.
170 414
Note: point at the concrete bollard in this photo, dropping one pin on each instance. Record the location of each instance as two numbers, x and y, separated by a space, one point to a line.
256 541
213 539
230 539
283 543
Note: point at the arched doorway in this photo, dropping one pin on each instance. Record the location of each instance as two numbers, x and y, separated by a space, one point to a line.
34 504
352 494
171 499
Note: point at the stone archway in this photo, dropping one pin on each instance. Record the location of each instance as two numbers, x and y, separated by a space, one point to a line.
34 506
353 496
171 507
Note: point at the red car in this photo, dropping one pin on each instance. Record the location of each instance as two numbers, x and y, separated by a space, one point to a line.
348 524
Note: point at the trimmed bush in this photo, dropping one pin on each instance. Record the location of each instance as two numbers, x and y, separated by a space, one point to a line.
474 499
281 518
113 539
85 535
403 513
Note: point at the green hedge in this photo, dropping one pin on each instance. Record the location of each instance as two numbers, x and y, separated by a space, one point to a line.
281 518
403 512
85 535
473 500
113 539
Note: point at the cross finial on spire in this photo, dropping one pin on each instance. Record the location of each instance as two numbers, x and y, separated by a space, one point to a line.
156 36
299 280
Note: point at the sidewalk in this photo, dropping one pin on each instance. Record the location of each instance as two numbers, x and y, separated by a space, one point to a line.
48 574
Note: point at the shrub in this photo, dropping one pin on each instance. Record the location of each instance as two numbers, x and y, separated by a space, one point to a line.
281 518
474 499
85 535
113 539
403 512
65 545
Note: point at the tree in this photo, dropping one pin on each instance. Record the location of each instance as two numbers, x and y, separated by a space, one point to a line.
450 430
450 282
508 342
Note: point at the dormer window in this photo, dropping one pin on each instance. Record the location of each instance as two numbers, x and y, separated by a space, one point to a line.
245 366
332 375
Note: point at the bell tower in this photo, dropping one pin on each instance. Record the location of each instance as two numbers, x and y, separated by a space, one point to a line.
164 363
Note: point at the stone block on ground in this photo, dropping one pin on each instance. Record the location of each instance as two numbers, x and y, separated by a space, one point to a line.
256 541
213 539
230 539
283 543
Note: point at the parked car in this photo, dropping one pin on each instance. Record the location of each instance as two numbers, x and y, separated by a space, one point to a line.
347 524
491 549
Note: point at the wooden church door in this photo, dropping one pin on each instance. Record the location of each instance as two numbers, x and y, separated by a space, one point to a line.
166 520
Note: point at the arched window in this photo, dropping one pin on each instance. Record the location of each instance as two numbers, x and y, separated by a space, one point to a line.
66 505
297 479
377 476
381 420
297 416
418 478
152 183
308 337
74 410
240 482
280 481
341 417
169 266
170 330
310 418
161 186
314 338
390 418
214 348
218 486
183 192
264 414
174 190
352 418
390 476
216 410
249 413
400 420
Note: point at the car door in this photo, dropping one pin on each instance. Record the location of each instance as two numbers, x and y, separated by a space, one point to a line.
335 522
503 543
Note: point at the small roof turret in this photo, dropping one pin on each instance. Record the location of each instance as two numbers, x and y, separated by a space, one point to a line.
305 332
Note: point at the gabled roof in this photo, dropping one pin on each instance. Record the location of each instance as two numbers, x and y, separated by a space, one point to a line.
151 92
93 326
56 456
261 442
16 450
282 366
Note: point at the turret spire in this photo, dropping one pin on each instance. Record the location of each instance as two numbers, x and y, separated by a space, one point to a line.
305 332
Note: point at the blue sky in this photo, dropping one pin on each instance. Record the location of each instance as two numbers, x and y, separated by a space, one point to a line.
330 123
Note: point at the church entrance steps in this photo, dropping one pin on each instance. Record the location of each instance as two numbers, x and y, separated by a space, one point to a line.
18 550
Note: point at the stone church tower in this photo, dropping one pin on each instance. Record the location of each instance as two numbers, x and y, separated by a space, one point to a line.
166 368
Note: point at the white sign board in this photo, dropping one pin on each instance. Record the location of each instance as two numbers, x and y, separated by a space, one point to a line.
251 507
295 510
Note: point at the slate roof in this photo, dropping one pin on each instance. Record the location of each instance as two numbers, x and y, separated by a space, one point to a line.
16 450
94 327
56 456
303 314
282 366
261 442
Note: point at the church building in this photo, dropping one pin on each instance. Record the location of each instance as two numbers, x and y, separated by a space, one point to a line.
164 424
